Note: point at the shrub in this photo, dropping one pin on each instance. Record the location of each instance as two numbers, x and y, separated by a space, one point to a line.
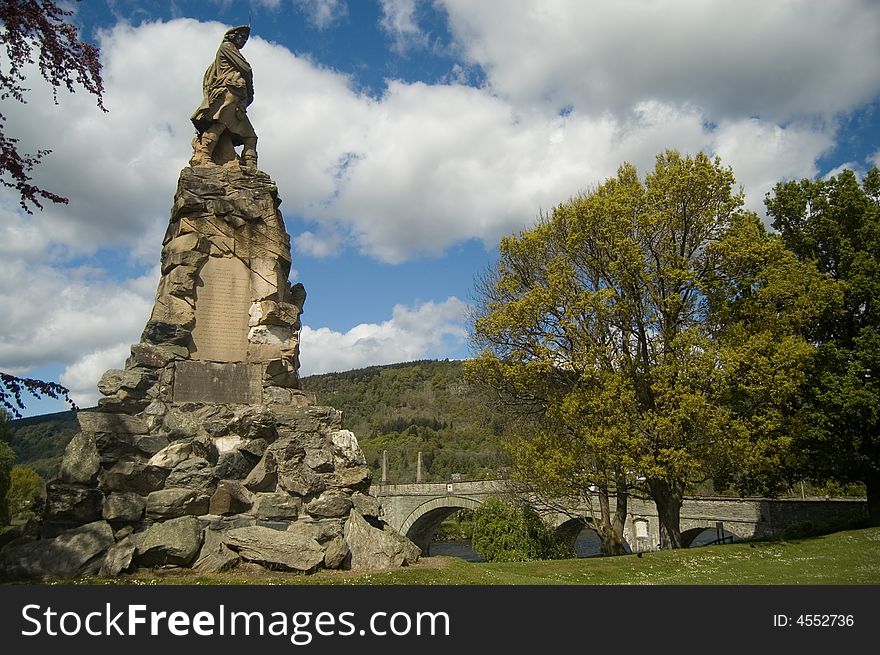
505 531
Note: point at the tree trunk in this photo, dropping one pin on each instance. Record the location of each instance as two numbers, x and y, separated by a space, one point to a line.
667 497
610 528
872 486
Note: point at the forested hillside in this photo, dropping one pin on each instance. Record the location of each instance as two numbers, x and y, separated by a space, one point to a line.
402 408
39 441
419 406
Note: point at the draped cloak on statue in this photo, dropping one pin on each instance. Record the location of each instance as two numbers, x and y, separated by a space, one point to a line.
228 88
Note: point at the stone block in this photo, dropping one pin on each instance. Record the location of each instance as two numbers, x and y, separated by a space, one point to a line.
274 549
111 423
195 473
118 558
376 548
115 447
81 462
336 553
71 554
356 478
190 258
135 382
211 382
330 504
124 506
230 498
173 310
132 476
185 243
66 503
214 556
174 502
176 541
162 333
275 506
172 455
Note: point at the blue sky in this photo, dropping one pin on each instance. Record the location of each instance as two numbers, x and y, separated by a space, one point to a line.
406 137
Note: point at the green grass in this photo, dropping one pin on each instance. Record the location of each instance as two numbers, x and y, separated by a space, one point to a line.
851 557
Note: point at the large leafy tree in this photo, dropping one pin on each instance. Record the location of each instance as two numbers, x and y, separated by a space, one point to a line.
7 461
37 32
835 224
645 328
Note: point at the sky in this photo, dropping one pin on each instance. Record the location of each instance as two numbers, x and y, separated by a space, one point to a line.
406 138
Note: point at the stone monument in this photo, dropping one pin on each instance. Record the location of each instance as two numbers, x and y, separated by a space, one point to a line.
204 452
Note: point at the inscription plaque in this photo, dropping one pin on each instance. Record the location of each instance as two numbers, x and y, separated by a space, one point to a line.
222 304
210 382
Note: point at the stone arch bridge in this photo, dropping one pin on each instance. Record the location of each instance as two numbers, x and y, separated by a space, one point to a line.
417 510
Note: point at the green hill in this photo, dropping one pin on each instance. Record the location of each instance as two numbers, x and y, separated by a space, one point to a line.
403 408
422 406
39 441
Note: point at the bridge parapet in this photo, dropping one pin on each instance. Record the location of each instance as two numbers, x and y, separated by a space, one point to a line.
418 509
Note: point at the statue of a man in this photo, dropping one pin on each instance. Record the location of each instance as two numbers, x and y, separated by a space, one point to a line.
221 120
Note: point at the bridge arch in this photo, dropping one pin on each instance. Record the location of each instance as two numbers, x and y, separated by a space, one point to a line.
707 536
584 536
423 521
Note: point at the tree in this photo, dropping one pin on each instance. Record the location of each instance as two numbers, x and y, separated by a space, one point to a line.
7 460
64 61
835 225
26 491
622 324
12 387
507 531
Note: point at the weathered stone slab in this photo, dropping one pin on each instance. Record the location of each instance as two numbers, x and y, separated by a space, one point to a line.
173 542
172 455
222 304
174 502
210 382
330 504
132 476
336 553
377 548
67 503
115 423
73 553
230 498
276 506
285 551
124 506
118 558
215 557
81 461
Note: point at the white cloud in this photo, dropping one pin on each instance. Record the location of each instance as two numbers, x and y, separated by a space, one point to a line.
762 154
777 60
415 333
323 13
423 166
410 173
321 245
82 376
400 23
59 316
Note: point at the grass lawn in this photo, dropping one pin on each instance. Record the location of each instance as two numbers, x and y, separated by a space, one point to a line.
842 558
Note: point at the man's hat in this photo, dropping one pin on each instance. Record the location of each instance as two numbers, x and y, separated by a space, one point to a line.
241 29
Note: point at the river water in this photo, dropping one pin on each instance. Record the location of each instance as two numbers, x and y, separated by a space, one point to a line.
587 544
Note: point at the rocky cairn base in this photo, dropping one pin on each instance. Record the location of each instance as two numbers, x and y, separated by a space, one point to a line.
284 487
204 452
